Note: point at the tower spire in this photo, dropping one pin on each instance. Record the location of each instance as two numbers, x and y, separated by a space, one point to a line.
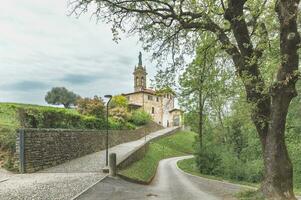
140 75
140 59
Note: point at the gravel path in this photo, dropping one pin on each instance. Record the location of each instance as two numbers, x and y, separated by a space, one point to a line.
46 186
66 180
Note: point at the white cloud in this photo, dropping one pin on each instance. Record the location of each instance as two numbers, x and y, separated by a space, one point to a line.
41 44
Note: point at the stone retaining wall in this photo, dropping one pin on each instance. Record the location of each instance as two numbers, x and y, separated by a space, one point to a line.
139 152
37 149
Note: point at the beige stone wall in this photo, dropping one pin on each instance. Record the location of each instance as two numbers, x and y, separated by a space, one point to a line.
174 114
149 102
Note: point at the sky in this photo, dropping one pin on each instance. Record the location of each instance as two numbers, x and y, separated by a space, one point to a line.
42 47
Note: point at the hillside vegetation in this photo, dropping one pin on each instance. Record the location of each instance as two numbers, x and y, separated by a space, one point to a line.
178 144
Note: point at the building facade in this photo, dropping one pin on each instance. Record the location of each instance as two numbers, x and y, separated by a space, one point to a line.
160 106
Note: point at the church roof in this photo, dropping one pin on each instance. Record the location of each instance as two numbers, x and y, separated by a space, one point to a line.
148 91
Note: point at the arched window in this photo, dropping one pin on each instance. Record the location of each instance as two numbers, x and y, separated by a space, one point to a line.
137 80
142 81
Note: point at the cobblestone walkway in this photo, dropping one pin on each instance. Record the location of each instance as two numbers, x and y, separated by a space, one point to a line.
66 180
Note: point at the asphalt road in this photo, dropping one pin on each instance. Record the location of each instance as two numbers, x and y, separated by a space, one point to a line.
170 183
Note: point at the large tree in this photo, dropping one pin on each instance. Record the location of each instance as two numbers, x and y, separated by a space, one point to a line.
61 96
245 30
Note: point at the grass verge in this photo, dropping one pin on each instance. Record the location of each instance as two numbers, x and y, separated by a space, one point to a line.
188 165
178 144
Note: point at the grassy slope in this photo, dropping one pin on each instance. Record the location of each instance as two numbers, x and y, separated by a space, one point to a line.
178 144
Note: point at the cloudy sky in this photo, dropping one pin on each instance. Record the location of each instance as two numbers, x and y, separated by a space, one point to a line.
42 47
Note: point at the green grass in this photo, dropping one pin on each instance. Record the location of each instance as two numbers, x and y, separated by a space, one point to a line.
189 166
178 144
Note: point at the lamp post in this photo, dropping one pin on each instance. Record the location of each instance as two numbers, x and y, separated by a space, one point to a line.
107 127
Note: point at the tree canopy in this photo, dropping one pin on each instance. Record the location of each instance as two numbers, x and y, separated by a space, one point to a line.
61 96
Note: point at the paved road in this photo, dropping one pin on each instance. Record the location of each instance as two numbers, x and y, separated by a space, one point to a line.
66 180
170 183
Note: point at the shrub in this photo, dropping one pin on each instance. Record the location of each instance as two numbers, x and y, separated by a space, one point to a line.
208 160
120 114
140 117
119 101
91 106
130 126
7 138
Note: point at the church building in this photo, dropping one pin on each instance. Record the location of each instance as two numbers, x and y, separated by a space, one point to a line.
160 106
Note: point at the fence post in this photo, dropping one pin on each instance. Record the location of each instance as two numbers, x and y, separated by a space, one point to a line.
21 153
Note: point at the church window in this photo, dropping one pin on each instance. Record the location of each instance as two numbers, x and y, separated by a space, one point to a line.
137 80
150 97
153 110
157 99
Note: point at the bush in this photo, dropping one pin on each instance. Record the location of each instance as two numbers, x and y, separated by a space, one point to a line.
92 107
140 117
120 114
208 160
7 139
117 125
119 101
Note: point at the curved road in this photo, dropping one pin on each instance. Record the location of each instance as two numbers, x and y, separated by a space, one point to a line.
170 183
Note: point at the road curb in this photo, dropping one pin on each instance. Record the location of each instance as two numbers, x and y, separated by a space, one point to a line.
85 190
226 182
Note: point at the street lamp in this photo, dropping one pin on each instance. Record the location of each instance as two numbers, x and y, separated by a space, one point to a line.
107 127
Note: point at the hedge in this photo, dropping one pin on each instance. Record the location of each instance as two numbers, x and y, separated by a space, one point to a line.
47 117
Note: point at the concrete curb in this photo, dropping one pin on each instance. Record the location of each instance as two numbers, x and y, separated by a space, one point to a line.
85 190
226 182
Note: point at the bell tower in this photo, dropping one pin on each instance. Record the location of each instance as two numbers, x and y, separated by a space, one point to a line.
139 75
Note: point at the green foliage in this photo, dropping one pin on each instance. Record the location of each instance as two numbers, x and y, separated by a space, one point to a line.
119 101
234 152
120 114
174 145
117 125
208 160
190 166
48 117
140 117
91 107
250 195
61 96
